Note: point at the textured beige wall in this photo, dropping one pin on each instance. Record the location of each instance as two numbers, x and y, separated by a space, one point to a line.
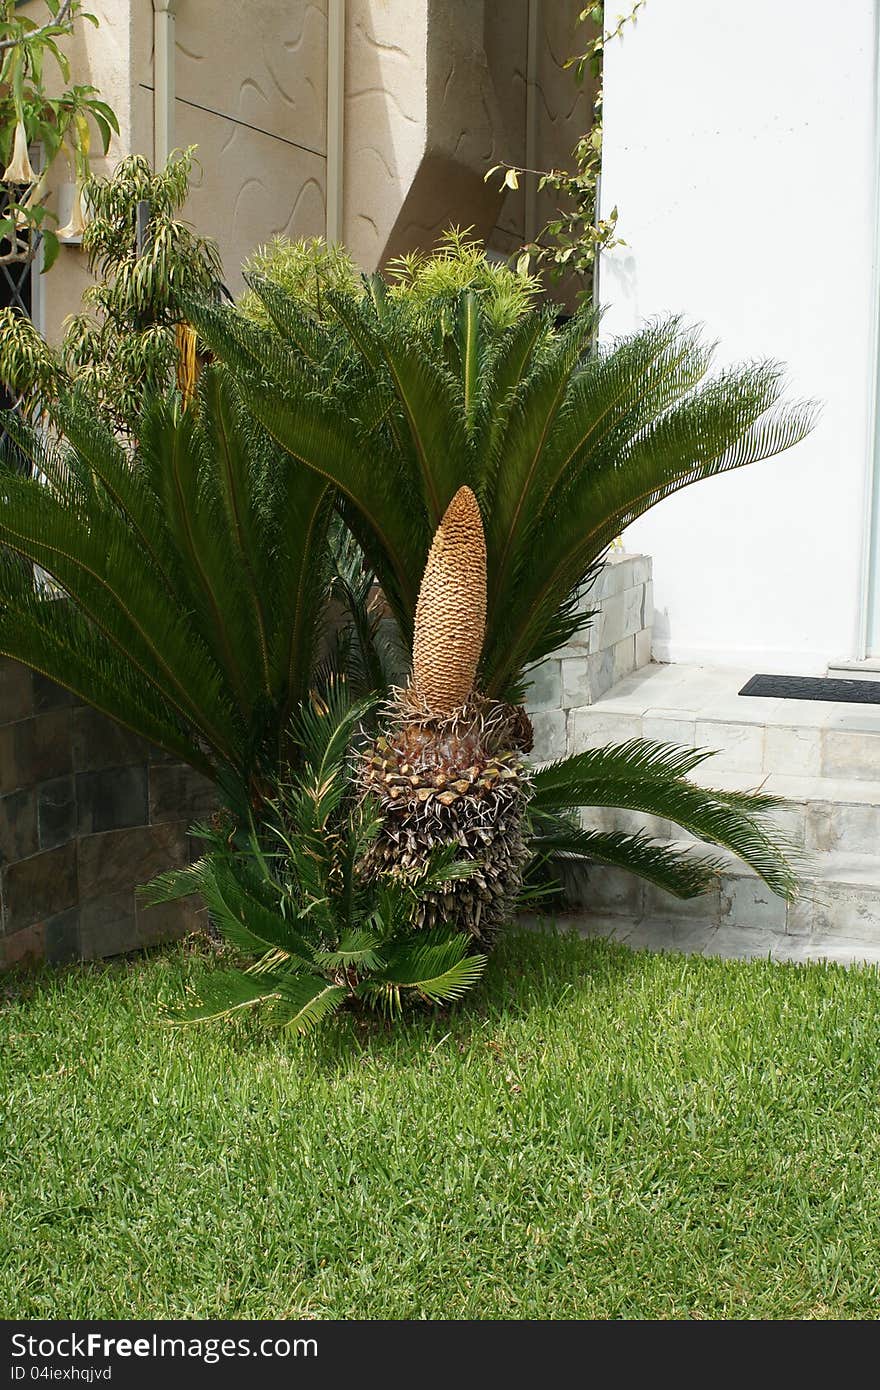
251 93
564 108
462 119
434 95
385 118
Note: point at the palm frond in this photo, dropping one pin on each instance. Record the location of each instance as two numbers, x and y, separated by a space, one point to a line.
243 918
222 993
321 438
302 1002
677 871
296 1001
652 778
310 337
359 947
436 965
324 727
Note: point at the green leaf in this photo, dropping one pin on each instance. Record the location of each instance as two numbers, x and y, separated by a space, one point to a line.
437 965
220 994
653 778
356 948
676 871
302 1002
51 246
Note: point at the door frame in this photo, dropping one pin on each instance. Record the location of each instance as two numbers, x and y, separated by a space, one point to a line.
868 639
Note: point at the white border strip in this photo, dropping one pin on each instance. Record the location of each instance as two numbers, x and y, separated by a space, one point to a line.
869 616
335 116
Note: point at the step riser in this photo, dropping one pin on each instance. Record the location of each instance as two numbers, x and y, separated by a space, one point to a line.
827 909
819 826
823 760
851 752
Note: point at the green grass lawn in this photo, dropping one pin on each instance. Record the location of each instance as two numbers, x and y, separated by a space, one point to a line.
595 1133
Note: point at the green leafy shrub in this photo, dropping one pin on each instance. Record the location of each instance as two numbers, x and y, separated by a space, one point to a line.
123 346
423 286
427 285
194 574
305 270
290 894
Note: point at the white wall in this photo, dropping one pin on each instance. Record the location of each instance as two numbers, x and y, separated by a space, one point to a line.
739 147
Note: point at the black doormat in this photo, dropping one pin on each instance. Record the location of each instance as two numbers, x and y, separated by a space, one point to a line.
813 688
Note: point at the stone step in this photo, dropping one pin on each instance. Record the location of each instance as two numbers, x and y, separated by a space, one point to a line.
700 707
820 814
868 670
821 757
706 939
839 899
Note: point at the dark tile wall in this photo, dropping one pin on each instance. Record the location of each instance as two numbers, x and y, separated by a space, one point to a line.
88 811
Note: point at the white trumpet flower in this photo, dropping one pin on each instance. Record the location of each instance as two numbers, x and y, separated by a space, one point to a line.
74 228
33 199
19 168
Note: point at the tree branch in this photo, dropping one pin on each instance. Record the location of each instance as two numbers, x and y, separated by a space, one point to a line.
63 17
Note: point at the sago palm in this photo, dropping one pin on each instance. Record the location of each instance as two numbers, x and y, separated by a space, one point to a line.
561 446
178 589
290 893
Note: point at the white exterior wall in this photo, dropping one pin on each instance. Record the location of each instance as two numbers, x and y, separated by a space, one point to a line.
740 149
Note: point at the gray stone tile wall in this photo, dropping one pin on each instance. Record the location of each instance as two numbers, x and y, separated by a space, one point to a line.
616 643
88 811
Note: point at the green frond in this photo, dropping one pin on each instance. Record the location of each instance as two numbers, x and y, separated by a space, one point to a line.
652 778
359 948
321 438
471 354
677 871
600 772
514 356
242 918
727 423
435 965
47 633
366 647
302 1002
519 489
298 1002
173 884
324 727
296 325
443 865
188 575
222 993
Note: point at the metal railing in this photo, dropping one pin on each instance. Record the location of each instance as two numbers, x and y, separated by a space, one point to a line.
15 293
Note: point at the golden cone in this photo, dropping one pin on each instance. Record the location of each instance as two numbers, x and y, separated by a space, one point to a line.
450 620
19 169
448 769
187 361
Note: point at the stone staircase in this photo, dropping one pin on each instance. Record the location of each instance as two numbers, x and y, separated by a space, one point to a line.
823 758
